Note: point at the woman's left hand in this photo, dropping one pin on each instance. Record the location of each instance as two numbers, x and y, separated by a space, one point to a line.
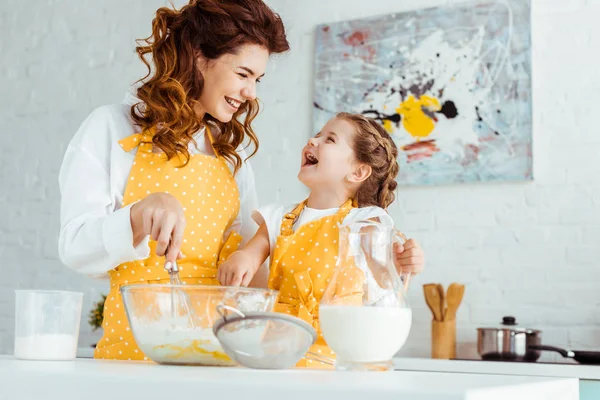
409 257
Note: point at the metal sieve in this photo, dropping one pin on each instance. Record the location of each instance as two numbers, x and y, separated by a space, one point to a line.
265 340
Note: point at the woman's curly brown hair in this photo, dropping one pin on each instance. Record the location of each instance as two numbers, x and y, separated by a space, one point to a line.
373 146
210 28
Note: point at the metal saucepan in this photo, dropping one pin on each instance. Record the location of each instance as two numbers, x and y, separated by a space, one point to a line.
582 357
508 342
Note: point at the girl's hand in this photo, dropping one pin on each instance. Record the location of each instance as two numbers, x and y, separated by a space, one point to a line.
409 257
238 270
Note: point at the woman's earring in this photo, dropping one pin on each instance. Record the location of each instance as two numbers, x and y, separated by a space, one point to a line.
347 178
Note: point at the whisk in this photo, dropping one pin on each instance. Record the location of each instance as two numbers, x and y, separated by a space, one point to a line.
183 297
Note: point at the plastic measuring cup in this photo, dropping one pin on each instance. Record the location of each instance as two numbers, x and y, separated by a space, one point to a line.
47 324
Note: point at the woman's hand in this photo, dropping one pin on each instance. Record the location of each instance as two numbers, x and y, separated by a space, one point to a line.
159 215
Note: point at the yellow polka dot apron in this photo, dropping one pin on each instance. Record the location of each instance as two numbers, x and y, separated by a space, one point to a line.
302 266
209 196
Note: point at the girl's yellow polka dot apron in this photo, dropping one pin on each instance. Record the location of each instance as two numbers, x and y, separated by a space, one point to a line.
303 263
210 199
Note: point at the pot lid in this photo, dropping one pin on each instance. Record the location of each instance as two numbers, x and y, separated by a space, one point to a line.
510 323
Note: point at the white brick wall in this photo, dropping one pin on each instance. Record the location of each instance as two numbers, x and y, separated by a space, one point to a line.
58 61
526 249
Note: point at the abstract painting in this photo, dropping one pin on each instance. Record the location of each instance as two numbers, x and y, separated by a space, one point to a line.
451 84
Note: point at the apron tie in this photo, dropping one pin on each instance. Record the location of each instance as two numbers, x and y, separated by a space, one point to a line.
122 276
143 139
305 306
131 142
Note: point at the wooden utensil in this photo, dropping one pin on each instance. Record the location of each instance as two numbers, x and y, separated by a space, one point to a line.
433 300
442 293
454 298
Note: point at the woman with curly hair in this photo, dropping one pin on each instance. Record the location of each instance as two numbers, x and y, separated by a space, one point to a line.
163 177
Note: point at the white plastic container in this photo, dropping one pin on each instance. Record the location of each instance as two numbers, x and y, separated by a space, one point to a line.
47 324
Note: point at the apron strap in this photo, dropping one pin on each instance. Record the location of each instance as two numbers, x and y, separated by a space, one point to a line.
346 208
144 141
211 140
289 219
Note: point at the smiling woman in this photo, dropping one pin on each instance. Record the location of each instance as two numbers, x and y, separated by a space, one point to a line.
163 177
223 96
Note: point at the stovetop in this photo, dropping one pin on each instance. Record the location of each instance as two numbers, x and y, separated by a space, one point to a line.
558 362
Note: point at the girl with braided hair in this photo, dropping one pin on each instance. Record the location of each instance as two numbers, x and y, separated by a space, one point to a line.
350 168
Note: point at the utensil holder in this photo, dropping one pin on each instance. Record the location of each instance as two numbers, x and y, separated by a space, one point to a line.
443 339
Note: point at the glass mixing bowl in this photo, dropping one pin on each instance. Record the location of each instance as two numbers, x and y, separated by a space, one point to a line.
168 334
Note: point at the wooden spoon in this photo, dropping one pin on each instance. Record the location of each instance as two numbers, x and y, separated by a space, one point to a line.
433 300
455 295
442 293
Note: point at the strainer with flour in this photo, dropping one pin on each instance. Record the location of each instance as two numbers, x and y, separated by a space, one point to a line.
265 340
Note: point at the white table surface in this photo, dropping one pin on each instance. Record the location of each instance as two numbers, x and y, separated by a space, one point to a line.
566 370
113 380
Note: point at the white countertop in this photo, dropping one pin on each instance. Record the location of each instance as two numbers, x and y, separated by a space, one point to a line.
114 380
566 370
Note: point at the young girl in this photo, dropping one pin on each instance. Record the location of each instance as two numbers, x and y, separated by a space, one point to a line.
350 168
